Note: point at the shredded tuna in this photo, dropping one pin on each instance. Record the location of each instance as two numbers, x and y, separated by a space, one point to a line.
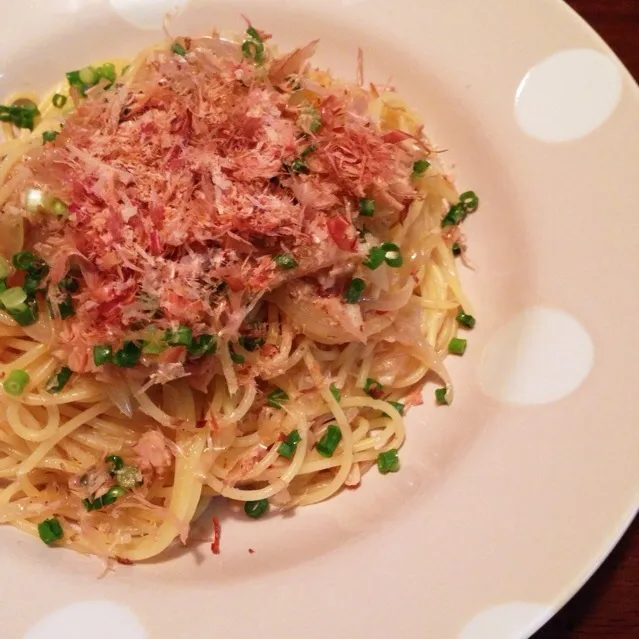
153 452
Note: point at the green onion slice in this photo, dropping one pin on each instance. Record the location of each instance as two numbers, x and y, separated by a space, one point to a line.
15 382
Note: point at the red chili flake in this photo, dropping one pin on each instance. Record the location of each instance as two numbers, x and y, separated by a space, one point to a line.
251 551
124 561
200 423
215 543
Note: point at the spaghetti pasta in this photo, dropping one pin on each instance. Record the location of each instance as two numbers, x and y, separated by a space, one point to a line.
230 275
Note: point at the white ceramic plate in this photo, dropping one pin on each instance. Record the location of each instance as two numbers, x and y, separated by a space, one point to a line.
506 502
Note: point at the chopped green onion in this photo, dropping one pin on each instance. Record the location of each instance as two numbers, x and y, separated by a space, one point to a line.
23 116
354 290
250 343
276 397
116 461
102 354
469 201
441 396
285 261
88 76
66 307
49 136
456 249
128 477
373 388
24 259
112 495
25 314
59 380
180 336
5 268
465 320
3 286
457 346
251 31
237 358
419 167
366 207
336 393
178 49
329 442
375 259
455 215
388 461
315 125
128 356
392 255
309 149
107 71
59 100
253 49
299 166
31 284
398 407
256 509
15 382
202 345
69 284
289 445
13 297
50 530
58 207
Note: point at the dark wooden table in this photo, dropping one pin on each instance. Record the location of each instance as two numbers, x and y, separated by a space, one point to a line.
608 605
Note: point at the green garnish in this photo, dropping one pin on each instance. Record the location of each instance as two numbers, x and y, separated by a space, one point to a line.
366 207
456 249
329 441
23 116
253 46
59 100
299 166
457 346
112 495
469 201
419 168
289 445
24 260
128 356
250 343
13 297
336 393
25 314
116 462
465 320
354 290
441 396
180 336
102 354
285 261
237 358
388 461
49 136
58 381
276 397
50 530
15 382
178 49
202 345
65 307
309 149
387 252
456 214
256 509
69 284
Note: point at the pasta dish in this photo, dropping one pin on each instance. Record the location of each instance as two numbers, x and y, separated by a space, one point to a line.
223 272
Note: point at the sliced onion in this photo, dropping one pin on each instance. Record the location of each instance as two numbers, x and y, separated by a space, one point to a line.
120 394
392 301
325 320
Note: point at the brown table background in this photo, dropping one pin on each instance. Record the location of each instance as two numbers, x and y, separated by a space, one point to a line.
608 605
